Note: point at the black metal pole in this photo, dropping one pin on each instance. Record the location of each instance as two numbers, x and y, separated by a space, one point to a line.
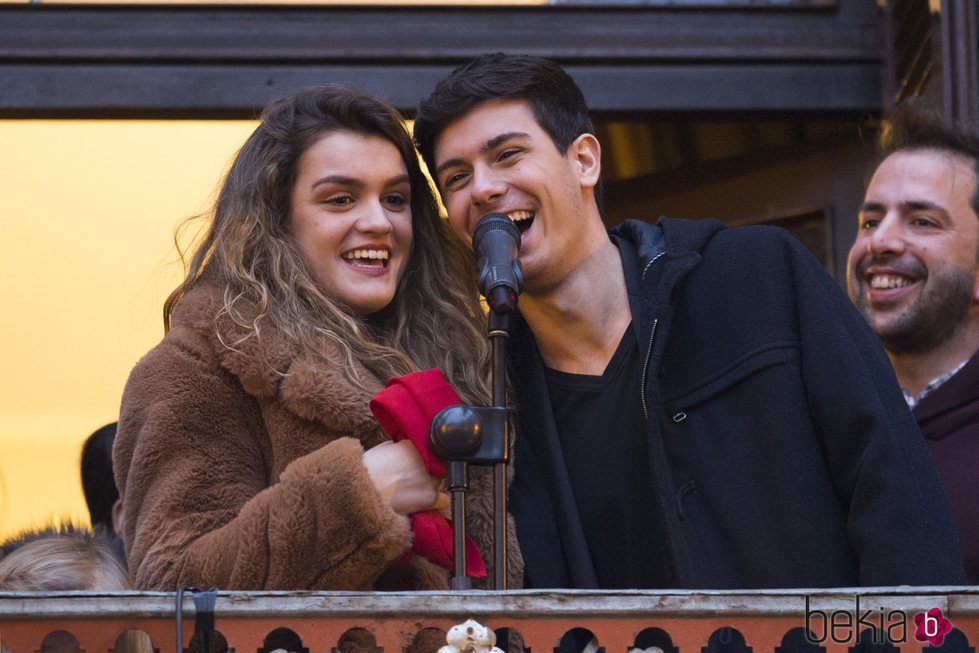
499 335
481 435
458 481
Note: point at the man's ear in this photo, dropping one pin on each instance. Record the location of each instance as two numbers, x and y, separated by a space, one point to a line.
586 152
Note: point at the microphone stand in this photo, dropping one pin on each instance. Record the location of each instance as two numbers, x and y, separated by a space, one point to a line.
499 335
479 435
457 483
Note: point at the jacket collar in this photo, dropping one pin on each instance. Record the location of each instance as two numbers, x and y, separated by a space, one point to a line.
957 392
269 368
655 259
677 239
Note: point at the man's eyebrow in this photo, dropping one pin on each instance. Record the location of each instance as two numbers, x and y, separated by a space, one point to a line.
487 146
905 207
447 164
876 207
502 138
924 205
909 205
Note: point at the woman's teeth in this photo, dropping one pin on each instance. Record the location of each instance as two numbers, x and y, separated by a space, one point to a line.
371 256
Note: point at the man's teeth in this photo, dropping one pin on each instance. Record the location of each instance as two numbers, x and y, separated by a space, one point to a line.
362 254
886 282
519 216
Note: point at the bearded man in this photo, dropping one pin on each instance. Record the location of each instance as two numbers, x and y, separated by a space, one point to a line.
913 272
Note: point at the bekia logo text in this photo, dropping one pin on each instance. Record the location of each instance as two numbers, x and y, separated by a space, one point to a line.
845 627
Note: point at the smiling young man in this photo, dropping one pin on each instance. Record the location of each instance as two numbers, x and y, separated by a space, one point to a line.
913 272
696 406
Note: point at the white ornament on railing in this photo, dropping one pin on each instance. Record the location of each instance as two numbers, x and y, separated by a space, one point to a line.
470 637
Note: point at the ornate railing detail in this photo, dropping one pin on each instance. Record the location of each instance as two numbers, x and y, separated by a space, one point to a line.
584 621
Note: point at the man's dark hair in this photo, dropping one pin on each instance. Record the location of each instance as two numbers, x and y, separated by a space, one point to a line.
554 98
98 483
915 127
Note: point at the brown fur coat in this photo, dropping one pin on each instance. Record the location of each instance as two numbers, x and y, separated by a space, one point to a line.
240 468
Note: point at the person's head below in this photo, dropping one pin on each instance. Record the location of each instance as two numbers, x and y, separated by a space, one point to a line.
64 562
98 483
913 270
511 134
326 227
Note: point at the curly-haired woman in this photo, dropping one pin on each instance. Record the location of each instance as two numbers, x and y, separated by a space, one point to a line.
246 455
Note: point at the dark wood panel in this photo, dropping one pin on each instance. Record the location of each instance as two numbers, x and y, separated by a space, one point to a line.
186 61
135 33
849 87
234 91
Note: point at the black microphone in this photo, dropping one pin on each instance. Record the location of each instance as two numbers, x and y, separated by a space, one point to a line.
496 242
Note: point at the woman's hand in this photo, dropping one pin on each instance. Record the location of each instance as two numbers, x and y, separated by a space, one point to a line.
400 477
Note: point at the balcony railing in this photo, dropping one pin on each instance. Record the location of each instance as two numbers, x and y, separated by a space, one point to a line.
876 619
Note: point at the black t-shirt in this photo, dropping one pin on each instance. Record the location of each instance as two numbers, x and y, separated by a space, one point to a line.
602 433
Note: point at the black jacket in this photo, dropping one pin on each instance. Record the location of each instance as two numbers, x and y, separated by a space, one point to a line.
781 452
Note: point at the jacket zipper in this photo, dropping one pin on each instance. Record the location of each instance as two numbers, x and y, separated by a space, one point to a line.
645 367
649 350
646 269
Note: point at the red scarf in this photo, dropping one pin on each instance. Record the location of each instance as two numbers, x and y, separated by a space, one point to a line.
404 409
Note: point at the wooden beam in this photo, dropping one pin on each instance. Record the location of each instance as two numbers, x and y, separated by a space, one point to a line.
241 90
229 60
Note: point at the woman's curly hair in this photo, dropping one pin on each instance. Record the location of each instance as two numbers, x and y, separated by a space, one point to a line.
435 319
